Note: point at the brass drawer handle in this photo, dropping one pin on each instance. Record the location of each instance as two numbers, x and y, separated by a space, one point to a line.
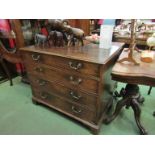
44 95
76 67
41 82
39 69
35 57
74 81
75 110
74 96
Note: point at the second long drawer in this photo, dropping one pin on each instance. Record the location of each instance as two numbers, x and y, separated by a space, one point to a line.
65 78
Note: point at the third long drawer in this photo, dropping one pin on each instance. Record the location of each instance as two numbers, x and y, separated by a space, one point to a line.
72 94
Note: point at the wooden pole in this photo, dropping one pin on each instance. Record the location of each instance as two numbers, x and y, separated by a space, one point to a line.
132 44
16 26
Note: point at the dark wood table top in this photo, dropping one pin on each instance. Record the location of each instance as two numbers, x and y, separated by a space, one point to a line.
89 52
129 73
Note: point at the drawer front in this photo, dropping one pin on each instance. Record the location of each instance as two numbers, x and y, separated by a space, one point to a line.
64 106
71 94
65 63
66 79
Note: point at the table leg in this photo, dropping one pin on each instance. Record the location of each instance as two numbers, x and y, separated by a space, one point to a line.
6 71
137 111
149 92
119 106
130 98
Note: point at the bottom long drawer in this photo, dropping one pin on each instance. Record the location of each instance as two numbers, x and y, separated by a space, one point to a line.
65 106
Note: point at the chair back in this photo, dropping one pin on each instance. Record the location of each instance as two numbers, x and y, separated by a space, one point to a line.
14 56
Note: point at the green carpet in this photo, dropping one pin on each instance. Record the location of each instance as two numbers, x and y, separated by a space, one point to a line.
18 115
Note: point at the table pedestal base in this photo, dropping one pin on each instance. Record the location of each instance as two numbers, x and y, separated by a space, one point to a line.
130 98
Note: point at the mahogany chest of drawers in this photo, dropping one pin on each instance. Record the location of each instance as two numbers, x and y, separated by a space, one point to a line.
75 81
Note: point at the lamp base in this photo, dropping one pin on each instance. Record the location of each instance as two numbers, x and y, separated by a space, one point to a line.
130 58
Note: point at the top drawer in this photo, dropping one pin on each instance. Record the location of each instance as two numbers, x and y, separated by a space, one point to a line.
60 62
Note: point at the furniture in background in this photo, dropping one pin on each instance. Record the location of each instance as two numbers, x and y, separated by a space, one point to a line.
87 25
133 75
143 31
141 40
12 56
73 80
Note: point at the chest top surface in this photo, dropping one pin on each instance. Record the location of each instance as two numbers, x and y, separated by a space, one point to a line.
89 52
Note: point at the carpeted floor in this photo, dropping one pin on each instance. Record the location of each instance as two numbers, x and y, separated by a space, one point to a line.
18 115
